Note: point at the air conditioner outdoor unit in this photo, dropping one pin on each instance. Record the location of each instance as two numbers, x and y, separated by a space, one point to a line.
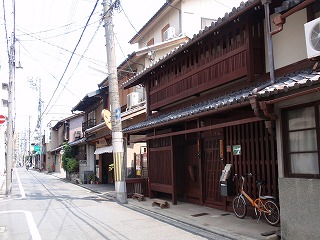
133 99
169 33
77 134
312 35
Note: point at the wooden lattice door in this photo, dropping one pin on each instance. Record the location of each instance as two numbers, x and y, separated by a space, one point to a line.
212 171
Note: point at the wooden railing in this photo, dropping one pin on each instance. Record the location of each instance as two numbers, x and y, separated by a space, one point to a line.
88 124
137 185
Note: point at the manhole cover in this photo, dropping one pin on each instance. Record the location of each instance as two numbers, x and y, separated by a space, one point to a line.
199 214
2 229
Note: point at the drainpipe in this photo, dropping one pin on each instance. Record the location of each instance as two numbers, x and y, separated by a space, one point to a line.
266 4
280 20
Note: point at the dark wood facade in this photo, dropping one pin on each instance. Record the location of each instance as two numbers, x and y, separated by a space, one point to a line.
186 157
188 166
224 56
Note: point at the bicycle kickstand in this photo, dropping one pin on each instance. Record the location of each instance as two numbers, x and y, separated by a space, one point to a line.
257 216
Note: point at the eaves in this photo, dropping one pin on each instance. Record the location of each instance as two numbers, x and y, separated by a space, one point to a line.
302 80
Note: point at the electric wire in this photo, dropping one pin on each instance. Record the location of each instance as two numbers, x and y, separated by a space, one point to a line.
126 59
70 58
87 48
58 35
222 4
41 64
64 49
63 26
134 28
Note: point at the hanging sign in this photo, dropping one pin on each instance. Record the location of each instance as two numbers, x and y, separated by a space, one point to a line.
105 113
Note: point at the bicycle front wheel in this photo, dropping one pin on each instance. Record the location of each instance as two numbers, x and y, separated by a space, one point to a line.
239 207
273 217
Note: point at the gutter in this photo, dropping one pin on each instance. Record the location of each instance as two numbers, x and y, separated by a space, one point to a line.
280 20
263 109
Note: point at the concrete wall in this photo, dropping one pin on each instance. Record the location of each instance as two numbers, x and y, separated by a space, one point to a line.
299 208
75 125
299 197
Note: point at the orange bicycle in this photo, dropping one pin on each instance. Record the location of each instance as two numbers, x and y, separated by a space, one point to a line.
265 205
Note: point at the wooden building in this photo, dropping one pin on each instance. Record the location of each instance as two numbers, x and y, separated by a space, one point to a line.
203 112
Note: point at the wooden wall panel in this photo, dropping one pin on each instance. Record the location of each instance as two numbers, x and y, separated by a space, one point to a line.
160 165
258 156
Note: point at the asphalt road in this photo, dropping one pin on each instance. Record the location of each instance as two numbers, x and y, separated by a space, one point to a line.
42 206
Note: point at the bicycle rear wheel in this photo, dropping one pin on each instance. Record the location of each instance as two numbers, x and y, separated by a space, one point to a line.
273 218
239 207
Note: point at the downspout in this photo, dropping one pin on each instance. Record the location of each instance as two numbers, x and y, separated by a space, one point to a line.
266 4
280 20
255 104
262 109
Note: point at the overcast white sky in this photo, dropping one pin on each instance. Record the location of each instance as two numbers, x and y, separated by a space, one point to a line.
47 32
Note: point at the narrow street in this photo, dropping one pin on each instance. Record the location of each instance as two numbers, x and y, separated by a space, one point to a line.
45 207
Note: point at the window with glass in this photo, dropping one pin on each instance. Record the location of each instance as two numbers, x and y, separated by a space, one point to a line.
301 141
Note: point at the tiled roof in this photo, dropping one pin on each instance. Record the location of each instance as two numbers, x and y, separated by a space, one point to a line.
301 79
233 15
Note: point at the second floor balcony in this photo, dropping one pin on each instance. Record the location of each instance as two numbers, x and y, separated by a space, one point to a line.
88 124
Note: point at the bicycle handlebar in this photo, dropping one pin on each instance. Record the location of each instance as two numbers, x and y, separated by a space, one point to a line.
243 176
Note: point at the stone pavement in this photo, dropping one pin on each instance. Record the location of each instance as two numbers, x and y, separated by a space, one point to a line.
2 185
209 219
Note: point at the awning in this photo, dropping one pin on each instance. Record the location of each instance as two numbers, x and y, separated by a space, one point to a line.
107 149
56 149
77 142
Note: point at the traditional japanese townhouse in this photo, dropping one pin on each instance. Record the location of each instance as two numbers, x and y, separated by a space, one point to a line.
295 99
49 145
219 99
98 148
67 130
171 26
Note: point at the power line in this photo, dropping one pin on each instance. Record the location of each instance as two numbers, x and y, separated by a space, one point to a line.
71 56
58 35
134 28
64 49
222 4
57 28
93 36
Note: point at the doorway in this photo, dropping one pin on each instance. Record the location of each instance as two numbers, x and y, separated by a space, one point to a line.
212 170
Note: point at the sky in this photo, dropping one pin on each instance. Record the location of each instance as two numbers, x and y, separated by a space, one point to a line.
60 45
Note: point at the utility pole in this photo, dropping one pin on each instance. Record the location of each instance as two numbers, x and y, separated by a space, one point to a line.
39 126
35 84
10 116
29 143
117 135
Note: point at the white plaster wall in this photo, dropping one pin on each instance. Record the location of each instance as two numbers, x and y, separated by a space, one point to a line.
289 45
191 11
133 148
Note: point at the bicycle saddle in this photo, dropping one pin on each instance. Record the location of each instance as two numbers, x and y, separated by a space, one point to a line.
261 182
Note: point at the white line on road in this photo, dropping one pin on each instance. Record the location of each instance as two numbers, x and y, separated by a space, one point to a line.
20 185
32 225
